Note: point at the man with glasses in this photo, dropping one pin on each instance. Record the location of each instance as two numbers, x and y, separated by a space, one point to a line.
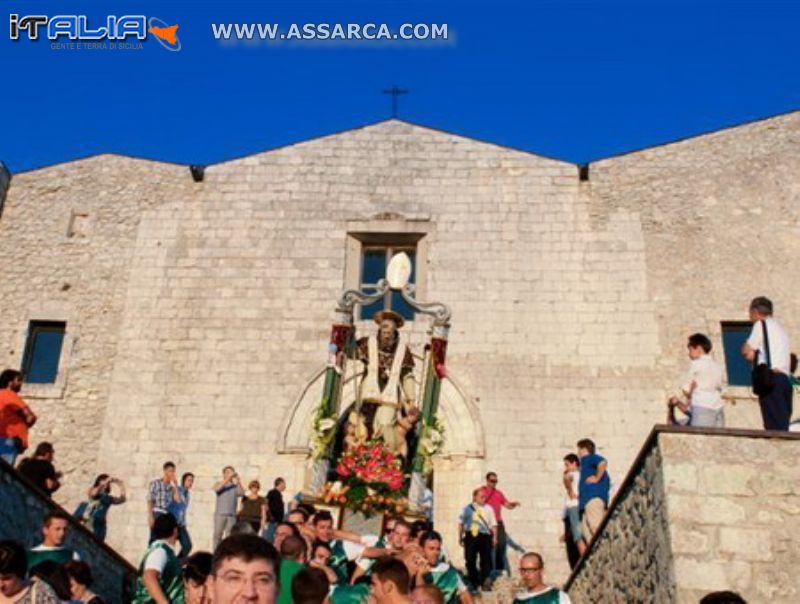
531 569
496 499
245 568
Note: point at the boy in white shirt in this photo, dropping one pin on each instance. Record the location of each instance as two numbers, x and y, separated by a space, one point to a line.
571 480
702 386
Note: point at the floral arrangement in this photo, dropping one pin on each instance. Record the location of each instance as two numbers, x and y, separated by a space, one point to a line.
323 431
431 442
372 481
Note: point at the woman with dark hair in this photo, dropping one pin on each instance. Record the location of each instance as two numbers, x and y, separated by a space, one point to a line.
195 573
254 508
80 580
53 575
94 512
13 586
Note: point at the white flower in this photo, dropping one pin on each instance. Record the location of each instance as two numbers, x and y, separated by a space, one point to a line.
326 424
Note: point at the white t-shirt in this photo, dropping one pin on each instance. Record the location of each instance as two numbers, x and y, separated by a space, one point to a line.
157 559
779 345
706 373
366 541
352 549
575 475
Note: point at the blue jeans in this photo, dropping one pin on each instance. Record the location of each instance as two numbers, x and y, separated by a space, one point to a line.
185 540
8 450
574 519
707 418
499 555
268 533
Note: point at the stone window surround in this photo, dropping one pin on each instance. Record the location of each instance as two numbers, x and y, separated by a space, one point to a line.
731 394
49 311
394 231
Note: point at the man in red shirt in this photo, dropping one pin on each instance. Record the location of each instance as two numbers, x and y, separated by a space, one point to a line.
15 416
497 501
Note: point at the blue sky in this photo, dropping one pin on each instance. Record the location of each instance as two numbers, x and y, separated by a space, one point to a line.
572 80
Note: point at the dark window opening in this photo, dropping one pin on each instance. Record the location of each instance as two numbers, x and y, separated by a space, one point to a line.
374 260
43 351
734 335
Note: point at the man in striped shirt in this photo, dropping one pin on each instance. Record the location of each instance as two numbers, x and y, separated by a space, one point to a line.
162 494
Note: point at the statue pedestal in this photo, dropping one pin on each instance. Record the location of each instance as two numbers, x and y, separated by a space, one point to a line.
359 523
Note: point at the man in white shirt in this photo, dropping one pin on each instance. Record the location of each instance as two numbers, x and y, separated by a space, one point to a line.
776 405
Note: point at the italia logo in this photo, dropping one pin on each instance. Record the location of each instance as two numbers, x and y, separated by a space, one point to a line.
77 28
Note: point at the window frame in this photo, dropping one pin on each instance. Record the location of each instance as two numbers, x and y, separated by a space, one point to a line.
397 233
389 250
49 311
35 329
724 327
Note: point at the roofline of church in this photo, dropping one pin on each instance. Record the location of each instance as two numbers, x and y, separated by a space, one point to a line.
688 137
427 127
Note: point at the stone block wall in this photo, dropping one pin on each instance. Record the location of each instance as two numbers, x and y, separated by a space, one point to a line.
631 559
733 503
67 237
229 302
22 509
720 219
701 511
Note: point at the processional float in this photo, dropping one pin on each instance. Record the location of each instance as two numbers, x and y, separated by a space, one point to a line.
364 471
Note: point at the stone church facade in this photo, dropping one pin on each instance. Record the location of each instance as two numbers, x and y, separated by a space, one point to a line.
196 311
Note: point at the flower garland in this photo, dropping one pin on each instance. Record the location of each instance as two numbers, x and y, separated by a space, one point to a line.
323 431
431 441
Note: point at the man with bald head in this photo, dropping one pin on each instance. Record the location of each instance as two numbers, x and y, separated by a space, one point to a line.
531 570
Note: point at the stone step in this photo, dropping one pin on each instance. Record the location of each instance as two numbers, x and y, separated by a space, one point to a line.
503 591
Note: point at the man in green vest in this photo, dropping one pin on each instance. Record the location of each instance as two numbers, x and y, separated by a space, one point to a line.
54 531
435 571
343 550
393 542
293 558
160 580
531 569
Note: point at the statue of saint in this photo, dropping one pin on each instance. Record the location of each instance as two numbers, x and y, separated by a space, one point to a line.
387 391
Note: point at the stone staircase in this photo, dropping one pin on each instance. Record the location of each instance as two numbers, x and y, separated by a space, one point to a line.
502 592
22 508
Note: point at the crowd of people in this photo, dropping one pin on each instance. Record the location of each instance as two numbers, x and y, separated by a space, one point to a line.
310 561
298 555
